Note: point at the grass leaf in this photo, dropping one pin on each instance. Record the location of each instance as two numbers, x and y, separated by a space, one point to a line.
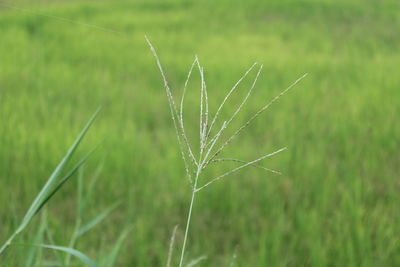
62 181
44 193
96 220
112 257
49 189
71 251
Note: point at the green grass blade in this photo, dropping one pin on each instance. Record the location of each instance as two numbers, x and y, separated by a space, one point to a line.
96 220
93 181
7 243
71 251
57 253
112 257
39 235
54 190
79 208
47 189
37 203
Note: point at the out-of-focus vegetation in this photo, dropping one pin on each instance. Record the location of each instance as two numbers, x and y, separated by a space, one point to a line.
337 202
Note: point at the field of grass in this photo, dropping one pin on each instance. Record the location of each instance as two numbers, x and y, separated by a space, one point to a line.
337 201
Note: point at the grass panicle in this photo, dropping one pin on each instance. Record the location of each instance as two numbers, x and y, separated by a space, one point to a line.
196 261
171 245
234 257
207 151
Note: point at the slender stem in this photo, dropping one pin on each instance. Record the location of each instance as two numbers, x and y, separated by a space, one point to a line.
194 191
7 243
78 220
73 240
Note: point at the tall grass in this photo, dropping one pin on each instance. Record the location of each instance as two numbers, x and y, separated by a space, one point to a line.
52 186
208 153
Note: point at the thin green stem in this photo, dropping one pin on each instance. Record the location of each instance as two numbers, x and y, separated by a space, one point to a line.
194 190
73 240
78 220
7 243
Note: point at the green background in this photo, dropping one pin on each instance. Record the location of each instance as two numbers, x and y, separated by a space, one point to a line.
337 201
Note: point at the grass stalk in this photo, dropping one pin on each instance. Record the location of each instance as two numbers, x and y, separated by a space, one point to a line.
206 153
189 217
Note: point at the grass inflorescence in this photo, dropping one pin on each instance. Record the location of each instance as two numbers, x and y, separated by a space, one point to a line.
207 152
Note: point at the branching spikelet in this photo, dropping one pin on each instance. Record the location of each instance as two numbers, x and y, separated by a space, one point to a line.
207 150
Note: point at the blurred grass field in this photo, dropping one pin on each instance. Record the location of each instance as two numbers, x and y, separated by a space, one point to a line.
337 202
